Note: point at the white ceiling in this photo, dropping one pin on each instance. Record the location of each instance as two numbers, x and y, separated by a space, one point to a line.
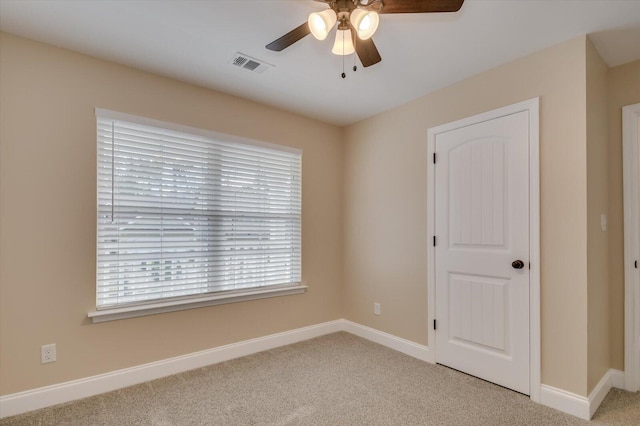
193 41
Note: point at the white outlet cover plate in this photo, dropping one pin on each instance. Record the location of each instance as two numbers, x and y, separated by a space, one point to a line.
48 353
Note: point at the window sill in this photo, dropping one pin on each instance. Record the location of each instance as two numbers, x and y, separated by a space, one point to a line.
180 305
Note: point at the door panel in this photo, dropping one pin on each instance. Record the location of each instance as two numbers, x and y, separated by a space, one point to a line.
482 226
477 194
477 312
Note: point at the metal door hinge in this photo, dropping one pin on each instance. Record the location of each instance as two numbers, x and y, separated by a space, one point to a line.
434 158
435 325
434 240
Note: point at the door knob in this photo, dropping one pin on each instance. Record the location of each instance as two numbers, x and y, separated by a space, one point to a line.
517 264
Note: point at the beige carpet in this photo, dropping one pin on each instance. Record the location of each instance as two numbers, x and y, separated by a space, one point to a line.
337 379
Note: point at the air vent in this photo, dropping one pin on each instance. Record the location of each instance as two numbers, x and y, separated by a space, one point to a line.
248 63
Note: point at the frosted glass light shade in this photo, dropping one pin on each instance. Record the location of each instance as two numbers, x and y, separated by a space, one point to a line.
320 23
365 22
343 44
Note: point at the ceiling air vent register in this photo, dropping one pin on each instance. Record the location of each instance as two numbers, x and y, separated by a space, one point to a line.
248 63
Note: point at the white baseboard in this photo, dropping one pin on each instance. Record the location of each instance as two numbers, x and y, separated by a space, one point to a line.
617 378
564 401
34 399
611 379
389 340
577 405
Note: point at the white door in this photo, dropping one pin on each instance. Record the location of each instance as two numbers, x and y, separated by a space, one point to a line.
482 250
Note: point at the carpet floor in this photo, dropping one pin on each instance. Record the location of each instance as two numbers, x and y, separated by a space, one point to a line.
339 379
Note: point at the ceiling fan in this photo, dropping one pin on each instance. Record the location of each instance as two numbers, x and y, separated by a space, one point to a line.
357 21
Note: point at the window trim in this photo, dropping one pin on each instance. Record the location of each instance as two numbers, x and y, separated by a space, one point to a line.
212 299
206 299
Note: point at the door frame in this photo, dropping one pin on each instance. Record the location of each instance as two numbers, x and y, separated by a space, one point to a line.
532 106
631 231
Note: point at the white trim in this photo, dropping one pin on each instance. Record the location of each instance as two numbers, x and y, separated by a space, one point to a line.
535 378
431 231
617 378
222 137
192 303
564 401
533 108
34 399
578 405
601 390
397 343
630 173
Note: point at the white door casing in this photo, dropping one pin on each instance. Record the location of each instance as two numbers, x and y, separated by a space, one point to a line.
484 212
631 175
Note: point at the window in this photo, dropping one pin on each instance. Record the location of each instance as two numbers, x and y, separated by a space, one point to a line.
184 213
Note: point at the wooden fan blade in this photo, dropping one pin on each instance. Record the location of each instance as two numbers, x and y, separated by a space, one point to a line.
421 6
367 52
289 38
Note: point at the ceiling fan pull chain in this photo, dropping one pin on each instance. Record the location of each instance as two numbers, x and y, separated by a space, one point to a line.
355 41
344 75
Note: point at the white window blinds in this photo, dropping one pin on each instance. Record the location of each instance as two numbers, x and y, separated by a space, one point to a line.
182 214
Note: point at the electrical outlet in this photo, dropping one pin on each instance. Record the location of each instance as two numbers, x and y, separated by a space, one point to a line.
376 308
48 353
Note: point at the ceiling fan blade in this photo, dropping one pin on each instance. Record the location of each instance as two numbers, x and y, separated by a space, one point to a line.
289 38
367 52
421 6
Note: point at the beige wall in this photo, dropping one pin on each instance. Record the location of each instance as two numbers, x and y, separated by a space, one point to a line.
364 207
597 204
386 204
48 216
624 89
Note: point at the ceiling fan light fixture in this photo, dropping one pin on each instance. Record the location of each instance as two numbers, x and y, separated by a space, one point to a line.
343 44
320 23
365 23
